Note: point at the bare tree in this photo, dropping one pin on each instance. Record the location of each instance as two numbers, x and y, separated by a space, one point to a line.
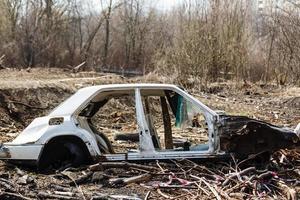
107 33
197 42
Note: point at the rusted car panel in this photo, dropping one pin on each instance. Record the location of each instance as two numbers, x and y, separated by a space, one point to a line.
244 136
68 132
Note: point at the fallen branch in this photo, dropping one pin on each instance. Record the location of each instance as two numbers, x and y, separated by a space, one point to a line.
55 196
61 188
7 185
105 196
126 181
27 105
291 194
163 194
1 61
69 194
209 186
147 195
78 67
266 175
82 179
241 173
105 165
177 187
71 177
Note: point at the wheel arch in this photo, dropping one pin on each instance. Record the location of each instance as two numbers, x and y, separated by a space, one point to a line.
61 139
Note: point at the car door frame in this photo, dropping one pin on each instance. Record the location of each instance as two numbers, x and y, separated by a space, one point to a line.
147 153
146 147
211 117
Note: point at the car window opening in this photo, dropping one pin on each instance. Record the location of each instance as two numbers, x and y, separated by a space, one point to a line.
109 116
175 123
115 119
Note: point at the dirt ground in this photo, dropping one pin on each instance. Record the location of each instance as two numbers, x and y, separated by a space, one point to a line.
25 95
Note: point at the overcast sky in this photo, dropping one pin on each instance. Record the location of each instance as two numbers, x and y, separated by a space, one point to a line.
166 4
163 5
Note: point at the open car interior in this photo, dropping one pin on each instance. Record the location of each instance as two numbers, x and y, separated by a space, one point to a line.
166 114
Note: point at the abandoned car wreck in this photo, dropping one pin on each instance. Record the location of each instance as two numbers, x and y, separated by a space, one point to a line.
73 133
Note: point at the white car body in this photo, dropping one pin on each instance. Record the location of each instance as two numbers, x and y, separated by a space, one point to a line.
64 120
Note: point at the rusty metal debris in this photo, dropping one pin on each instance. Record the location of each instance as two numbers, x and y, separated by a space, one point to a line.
245 136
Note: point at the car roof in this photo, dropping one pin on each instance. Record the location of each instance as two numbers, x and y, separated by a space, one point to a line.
129 86
69 106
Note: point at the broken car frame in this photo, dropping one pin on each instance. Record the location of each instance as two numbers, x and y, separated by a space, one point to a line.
67 134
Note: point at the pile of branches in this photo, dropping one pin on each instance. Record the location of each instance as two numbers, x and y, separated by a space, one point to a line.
178 179
187 179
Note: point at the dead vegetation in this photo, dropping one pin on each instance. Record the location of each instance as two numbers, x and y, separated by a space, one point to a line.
180 179
196 42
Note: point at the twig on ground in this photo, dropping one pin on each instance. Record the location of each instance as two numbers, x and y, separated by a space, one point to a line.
104 165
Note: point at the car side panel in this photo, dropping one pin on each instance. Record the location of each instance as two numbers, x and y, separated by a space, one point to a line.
24 152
